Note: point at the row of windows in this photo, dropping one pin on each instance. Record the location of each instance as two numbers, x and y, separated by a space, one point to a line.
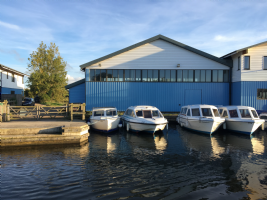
247 62
13 78
133 75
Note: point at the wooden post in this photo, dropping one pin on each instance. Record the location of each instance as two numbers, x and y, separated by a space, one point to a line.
37 113
71 111
83 110
1 107
66 114
7 113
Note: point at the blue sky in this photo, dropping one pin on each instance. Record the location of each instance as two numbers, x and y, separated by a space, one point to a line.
86 30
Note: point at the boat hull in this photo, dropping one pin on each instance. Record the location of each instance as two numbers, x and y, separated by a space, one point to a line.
142 127
207 126
244 127
105 125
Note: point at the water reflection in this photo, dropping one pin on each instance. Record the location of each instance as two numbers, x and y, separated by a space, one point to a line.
173 164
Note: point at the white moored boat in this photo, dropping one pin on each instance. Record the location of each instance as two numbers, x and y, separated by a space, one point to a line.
143 118
104 119
264 117
201 118
242 119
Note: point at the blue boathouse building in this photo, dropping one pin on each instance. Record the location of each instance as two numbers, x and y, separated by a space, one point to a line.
158 71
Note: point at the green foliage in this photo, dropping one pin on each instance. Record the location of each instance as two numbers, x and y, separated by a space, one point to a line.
47 71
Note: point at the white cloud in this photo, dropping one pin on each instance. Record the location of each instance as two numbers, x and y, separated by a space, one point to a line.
7 25
73 79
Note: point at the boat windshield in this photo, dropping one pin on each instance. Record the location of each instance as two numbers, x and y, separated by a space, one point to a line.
147 113
216 113
206 112
98 113
111 113
254 113
244 113
139 113
155 113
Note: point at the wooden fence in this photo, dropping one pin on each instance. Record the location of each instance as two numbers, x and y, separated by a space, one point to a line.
8 113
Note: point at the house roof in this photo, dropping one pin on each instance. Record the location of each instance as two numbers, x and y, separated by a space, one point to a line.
209 56
239 50
10 70
75 84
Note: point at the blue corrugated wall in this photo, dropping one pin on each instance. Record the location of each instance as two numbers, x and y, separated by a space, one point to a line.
249 94
8 90
165 96
236 93
77 94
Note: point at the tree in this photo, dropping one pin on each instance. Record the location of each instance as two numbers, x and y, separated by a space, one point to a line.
47 71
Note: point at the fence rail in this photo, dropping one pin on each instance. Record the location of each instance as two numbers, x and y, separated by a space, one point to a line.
8 112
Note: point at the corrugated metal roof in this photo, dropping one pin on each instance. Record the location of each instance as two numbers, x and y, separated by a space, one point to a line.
8 69
237 51
209 56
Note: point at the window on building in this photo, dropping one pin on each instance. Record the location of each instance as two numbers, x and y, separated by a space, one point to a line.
185 76
208 75
220 75
225 76
247 62
265 62
161 75
129 75
144 75
233 113
203 75
173 75
155 75
92 75
191 75
109 75
115 75
97 75
22 80
179 75
214 75
261 94
103 75
195 112
197 75
149 75
138 75
120 75
12 92
238 63
13 77
7 75
167 75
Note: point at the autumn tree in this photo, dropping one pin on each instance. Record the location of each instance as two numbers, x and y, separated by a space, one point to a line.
47 71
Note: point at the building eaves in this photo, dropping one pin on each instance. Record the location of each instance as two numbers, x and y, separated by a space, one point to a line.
240 50
75 84
8 69
209 56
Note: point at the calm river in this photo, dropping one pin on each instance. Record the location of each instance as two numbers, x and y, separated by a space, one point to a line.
173 164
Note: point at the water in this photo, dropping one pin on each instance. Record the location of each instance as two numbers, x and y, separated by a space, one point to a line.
173 164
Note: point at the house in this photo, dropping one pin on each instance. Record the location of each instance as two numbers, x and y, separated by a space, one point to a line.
158 71
11 81
249 76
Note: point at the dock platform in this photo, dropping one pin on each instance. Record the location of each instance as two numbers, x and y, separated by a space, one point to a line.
45 132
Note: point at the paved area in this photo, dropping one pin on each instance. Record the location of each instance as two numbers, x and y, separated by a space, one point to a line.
43 123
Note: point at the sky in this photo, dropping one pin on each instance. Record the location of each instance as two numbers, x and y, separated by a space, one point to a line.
85 30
